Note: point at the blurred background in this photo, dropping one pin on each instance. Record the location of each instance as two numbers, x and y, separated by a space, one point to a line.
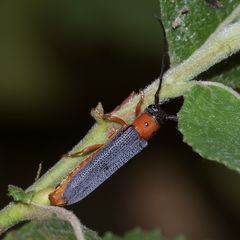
58 59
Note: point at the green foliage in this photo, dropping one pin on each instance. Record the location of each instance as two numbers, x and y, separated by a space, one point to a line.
50 229
53 228
90 234
210 122
136 234
196 25
209 119
19 195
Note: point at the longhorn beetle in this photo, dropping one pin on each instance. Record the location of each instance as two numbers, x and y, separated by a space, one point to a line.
107 159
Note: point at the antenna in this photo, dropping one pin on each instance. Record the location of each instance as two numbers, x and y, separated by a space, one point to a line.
156 96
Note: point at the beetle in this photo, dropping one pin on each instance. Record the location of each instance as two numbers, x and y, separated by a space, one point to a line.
107 159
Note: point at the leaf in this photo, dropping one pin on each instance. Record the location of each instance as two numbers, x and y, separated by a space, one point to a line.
111 236
180 237
139 234
54 228
19 195
50 229
90 234
195 26
210 122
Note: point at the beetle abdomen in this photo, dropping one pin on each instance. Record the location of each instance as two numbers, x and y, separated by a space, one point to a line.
124 146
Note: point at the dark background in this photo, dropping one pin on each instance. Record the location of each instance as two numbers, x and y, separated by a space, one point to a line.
57 60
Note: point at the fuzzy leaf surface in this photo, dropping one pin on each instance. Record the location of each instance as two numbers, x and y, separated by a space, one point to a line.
51 229
210 122
195 26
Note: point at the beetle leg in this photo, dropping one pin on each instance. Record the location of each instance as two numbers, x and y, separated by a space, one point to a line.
139 104
99 115
119 120
84 151
115 119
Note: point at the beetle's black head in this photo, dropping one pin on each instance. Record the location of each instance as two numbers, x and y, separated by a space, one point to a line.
157 113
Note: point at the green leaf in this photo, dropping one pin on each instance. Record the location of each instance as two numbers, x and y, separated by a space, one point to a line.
19 195
90 234
54 228
139 234
197 24
210 122
50 229
111 236
180 237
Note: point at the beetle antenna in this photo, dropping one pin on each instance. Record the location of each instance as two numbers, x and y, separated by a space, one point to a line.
156 96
